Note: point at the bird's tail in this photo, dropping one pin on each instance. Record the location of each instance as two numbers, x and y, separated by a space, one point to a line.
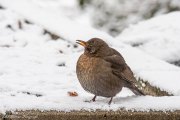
133 88
136 91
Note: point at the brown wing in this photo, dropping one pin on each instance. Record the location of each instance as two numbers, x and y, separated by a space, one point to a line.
120 68
123 71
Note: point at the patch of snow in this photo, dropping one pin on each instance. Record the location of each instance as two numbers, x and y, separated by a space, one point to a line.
116 15
159 36
56 23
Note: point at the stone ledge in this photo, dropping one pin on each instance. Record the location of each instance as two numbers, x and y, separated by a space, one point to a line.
91 115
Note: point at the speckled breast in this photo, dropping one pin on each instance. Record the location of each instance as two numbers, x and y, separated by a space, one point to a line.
94 73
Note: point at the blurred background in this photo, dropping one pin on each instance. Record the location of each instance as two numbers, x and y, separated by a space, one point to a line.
114 16
111 16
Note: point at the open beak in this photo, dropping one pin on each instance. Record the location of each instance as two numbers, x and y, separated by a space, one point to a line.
83 43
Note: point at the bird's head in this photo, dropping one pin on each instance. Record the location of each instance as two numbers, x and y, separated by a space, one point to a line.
94 47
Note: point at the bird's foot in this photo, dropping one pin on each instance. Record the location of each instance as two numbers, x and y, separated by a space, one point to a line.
110 101
93 100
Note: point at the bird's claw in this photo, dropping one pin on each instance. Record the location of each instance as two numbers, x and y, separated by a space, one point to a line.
93 100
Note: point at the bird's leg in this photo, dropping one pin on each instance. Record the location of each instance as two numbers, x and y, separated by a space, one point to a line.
94 98
110 101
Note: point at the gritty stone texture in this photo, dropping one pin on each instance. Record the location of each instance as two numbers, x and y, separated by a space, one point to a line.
93 115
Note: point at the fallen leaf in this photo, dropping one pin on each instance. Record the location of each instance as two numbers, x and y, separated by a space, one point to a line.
72 94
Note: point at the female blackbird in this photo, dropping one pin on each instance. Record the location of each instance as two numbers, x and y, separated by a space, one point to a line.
102 71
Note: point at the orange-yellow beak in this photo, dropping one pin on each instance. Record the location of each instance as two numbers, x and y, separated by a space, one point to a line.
83 43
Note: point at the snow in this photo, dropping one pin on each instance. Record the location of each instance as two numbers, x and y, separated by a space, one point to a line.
37 72
159 36
67 29
115 15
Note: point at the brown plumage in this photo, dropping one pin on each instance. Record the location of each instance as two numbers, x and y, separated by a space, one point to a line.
102 71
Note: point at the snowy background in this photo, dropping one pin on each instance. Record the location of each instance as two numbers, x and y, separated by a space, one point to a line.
38 52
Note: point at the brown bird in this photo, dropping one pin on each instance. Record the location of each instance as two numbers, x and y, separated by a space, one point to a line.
102 71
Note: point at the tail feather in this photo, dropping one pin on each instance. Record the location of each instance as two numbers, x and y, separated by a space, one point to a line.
133 88
129 84
136 91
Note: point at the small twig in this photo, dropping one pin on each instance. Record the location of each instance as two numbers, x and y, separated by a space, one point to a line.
19 24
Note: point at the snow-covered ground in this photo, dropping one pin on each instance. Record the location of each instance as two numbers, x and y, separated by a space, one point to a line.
159 36
36 72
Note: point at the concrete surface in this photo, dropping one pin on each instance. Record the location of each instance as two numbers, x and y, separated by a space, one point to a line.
93 115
